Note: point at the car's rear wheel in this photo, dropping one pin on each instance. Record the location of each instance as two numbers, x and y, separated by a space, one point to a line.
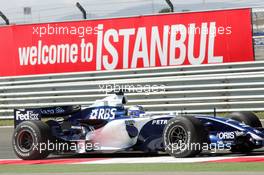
184 136
30 140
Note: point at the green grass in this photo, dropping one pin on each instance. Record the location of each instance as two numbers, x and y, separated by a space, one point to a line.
166 167
7 122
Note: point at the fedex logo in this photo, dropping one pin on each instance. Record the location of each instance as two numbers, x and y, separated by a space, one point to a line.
27 115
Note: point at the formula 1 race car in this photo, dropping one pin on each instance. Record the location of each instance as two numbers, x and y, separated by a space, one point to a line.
107 126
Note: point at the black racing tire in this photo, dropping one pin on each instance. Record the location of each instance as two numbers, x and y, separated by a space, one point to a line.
27 139
184 136
249 118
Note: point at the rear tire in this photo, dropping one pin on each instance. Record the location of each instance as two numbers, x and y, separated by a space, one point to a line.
249 118
27 138
184 136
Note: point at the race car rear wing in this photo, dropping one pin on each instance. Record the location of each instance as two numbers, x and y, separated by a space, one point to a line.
21 115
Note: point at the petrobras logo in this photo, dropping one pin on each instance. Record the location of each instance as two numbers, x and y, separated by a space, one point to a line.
27 115
226 135
103 113
159 122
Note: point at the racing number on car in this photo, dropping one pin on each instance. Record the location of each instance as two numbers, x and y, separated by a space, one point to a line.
103 113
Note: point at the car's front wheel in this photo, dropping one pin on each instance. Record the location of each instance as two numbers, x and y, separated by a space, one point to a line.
248 118
243 144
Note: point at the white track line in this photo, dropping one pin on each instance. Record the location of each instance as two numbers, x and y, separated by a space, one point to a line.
3 127
155 160
167 159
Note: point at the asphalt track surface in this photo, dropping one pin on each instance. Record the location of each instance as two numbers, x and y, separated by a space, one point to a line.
6 151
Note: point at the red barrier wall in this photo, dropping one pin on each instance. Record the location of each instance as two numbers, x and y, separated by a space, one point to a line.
122 43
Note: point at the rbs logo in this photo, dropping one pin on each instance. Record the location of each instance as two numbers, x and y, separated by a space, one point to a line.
103 113
27 115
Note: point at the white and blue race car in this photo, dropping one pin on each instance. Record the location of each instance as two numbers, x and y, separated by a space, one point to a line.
107 126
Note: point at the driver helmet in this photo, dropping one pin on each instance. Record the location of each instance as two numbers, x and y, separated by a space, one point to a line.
135 111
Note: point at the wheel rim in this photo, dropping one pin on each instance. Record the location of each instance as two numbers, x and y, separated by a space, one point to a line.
25 141
178 137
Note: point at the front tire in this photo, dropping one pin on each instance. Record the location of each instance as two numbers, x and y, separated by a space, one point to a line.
184 136
249 118
244 145
29 138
